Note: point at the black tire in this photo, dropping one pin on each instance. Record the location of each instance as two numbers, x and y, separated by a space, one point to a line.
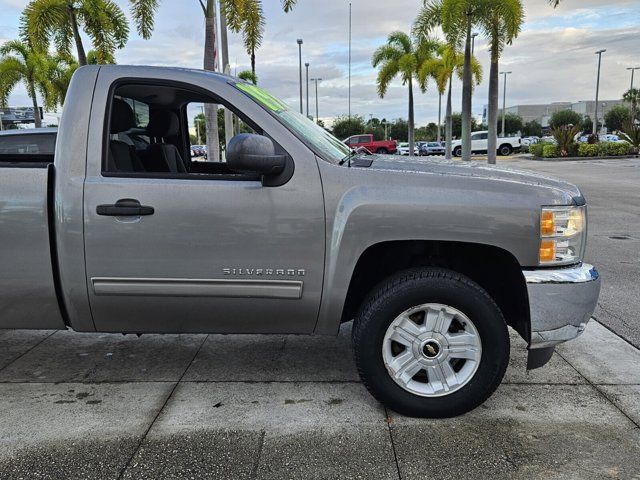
382 151
505 150
457 152
416 287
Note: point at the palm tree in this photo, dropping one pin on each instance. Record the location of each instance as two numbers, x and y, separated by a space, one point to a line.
103 21
501 24
246 17
441 69
632 96
402 57
58 70
20 63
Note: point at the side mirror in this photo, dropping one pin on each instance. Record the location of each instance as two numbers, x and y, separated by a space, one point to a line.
251 153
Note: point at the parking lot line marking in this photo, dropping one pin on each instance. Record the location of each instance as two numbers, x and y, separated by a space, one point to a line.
27 351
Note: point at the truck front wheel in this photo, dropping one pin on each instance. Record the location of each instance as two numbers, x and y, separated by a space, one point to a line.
457 152
506 150
430 342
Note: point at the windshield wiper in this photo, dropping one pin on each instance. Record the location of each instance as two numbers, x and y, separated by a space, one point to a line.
348 158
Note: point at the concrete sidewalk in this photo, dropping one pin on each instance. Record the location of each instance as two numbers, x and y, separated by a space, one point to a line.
195 406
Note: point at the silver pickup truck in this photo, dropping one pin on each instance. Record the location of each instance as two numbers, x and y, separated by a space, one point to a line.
123 231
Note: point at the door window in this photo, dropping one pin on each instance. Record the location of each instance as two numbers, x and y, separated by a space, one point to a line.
171 132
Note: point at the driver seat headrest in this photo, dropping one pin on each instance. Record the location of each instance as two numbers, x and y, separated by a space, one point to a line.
122 117
163 123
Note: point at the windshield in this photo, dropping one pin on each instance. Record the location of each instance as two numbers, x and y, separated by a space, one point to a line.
317 138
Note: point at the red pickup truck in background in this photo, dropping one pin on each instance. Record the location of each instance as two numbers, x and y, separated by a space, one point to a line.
366 140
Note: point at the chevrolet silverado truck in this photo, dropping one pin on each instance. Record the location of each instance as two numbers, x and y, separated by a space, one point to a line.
479 142
121 230
374 146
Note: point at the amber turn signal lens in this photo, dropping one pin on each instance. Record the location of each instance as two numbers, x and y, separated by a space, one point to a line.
547 223
547 251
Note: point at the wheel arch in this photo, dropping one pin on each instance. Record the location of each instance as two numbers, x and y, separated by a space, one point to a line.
496 270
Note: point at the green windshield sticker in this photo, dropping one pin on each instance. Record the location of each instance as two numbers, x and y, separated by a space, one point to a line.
262 96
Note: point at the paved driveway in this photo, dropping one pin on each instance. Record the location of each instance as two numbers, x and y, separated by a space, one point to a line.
196 406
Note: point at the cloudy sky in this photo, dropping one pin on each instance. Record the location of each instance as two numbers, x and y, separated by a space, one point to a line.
552 59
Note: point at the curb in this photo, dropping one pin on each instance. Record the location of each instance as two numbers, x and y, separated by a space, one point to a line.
579 159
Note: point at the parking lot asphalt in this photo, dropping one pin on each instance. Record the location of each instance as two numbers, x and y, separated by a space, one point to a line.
612 190
108 406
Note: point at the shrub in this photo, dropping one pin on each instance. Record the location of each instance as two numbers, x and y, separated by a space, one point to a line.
588 150
618 148
603 148
536 149
550 151
565 135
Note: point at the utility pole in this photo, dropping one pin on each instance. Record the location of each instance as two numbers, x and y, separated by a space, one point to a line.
504 101
595 123
300 64
473 42
307 67
633 69
349 61
317 80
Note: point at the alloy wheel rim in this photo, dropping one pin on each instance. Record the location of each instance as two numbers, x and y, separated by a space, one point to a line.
432 350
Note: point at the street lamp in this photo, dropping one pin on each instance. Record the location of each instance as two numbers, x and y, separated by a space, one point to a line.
316 80
595 124
300 64
633 69
307 67
504 101
473 42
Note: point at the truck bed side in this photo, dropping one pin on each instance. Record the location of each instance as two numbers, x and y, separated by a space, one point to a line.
27 291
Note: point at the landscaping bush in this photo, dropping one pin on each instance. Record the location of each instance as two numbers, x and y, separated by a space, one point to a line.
618 148
536 149
588 150
550 151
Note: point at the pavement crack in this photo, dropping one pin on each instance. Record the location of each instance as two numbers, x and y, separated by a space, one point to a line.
387 419
160 410
27 351
602 393
256 463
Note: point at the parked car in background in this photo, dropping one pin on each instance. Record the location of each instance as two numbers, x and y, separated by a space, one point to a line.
430 148
403 149
479 142
374 146
526 141
28 144
548 139
198 150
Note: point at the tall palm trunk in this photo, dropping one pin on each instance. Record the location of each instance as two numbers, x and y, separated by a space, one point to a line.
492 144
439 116
466 94
448 129
36 110
411 119
253 61
82 56
210 57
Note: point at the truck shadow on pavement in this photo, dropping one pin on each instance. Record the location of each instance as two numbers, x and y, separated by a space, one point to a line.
231 406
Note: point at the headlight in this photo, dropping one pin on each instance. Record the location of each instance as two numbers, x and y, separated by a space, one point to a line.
562 235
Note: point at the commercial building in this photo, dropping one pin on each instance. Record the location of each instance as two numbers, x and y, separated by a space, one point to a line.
542 113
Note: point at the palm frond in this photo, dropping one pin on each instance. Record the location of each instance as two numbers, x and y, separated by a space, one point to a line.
386 74
143 12
40 19
287 5
385 53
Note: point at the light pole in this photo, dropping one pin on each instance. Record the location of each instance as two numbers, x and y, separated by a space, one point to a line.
349 61
307 67
473 42
504 101
633 69
1 126
300 64
595 124
316 80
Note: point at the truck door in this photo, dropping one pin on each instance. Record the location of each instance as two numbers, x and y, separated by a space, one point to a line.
479 142
176 243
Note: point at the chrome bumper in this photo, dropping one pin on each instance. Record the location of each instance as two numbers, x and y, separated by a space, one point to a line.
561 302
